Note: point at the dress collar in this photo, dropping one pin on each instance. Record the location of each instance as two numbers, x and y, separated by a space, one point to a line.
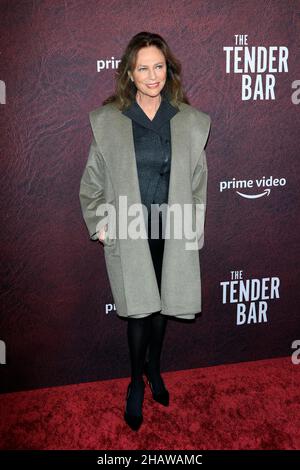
164 113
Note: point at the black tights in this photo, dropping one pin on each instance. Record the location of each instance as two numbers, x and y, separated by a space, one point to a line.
150 330
145 337
143 333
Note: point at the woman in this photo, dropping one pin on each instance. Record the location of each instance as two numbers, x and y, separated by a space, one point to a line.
147 148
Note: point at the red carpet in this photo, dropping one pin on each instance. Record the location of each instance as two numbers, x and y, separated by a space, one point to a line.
253 405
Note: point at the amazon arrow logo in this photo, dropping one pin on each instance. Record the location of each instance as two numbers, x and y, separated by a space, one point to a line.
255 196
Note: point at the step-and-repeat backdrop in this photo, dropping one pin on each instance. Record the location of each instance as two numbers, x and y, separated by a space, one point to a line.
58 60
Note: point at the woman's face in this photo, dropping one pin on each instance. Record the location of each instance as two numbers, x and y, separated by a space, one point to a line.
150 72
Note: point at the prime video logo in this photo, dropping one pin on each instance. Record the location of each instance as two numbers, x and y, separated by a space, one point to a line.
261 185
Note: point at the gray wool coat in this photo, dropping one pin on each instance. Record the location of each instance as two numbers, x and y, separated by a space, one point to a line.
111 172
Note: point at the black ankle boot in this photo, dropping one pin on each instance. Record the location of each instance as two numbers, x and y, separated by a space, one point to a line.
162 396
134 420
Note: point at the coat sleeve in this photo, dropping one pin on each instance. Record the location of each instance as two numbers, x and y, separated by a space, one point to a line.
199 189
91 193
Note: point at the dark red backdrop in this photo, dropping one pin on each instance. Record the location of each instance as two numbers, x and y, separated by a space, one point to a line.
55 286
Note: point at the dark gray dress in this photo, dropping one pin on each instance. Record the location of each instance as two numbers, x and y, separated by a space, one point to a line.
152 141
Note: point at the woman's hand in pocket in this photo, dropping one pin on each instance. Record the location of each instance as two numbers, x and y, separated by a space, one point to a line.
102 234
